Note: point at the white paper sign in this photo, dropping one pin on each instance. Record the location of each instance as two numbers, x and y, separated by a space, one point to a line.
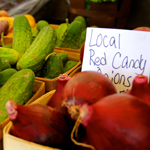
119 54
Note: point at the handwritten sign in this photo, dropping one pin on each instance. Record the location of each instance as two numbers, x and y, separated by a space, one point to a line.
119 54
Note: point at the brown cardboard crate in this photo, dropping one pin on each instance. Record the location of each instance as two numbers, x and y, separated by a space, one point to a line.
11 142
77 70
67 50
50 84
7 40
44 98
54 26
38 91
73 54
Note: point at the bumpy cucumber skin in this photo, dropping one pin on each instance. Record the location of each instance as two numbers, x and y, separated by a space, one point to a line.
82 20
72 36
60 31
9 54
18 88
6 74
35 32
64 57
22 34
69 65
82 39
53 67
0 63
38 73
5 65
34 57
41 24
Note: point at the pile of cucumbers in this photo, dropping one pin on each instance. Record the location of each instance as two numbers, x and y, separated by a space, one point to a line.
15 85
32 54
56 64
31 46
72 35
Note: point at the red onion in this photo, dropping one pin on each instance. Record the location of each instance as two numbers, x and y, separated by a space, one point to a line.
82 52
55 100
86 87
144 28
141 88
39 123
117 122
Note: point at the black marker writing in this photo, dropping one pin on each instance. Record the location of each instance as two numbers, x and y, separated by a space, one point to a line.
97 61
104 40
118 78
126 63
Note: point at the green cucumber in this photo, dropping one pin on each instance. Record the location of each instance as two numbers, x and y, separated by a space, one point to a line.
82 20
6 74
4 65
35 32
61 30
22 34
69 65
64 57
82 39
38 73
41 24
18 88
9 54
53 67
34 57
71 37
0 63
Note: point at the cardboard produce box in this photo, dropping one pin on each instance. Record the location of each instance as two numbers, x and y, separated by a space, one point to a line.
11 142
50 84
38 91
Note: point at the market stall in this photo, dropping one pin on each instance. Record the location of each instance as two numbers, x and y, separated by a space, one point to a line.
79 84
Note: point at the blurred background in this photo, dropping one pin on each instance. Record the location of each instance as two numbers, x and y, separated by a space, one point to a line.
125 14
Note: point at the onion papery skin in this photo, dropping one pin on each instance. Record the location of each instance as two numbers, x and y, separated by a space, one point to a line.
81 139
41 124
117 122
55 100
140 88
86 87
